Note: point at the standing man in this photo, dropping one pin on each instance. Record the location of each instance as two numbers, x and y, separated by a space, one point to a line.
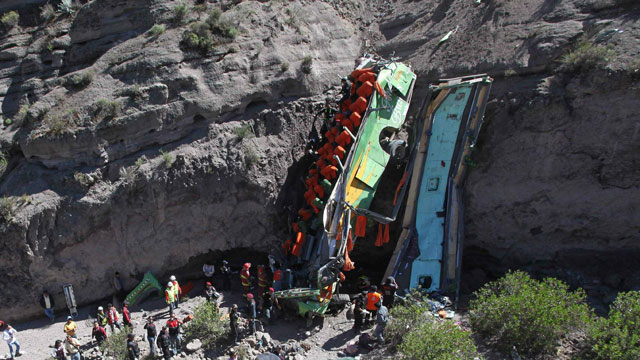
58 351
99 333
118 285
174 334
245 279
47 303
373 296
252 313
164 343
269 299
9 335
126 315
112 317
382 319
133 351
211 293
177 290
359 312
72 346
389 292
234 316
169 296
263 281
226 275
70 327
152 333
101 317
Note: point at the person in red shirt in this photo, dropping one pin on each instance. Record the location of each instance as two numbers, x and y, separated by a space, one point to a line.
126 316
174 334
245 279
112 316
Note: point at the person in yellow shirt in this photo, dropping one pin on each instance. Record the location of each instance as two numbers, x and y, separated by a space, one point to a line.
70 327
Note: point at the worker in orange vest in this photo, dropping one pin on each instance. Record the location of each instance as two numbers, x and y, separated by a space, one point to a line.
373 296
263 280
245 279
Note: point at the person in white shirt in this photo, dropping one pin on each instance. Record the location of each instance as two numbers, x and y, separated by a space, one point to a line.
9 335
208 270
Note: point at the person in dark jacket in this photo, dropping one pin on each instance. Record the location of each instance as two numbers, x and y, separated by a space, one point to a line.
133 351
359 312
389 289
234 316
98 332
58 351
152 334
48 304
252 313
164 343
382 318
226 275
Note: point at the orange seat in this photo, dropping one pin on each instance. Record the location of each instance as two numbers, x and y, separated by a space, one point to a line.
356 73
360 105
348 124
305 214
355 118
319 191
343 139
345 105
367 77
340 152
366 89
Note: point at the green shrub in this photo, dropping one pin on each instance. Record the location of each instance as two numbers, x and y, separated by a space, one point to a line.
307 64
157 30
167 158
7 208
206 325
618 336
19 118
531 315
104 109
250 157
10 19
586 56
47 12
116 344
204 36
434 339
243 131
141 160
405 317
56 124
179 13
80 81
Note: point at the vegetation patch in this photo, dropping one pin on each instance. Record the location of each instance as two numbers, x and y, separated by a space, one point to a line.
244 131
618 336
284 67
66 7
586 56
47 12
251 158
307 64
206 326
3 163
116 345
58 124
7 208
9 20
79 81
180 13
530 315
157 30
167 158
106 110
206 35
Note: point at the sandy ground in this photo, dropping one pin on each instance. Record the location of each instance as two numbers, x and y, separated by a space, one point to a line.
36 337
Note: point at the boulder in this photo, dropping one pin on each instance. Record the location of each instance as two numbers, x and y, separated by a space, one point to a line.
194 346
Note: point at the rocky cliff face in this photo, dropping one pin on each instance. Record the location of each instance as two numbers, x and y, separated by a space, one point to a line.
135 153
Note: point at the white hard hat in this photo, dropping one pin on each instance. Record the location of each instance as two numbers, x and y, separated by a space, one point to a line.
170 284
172 278
100 308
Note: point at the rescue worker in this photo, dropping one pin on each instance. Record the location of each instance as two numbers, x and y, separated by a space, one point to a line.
226 275
263 281
359 312
48 304
133 351
345 91
373 296
245 279
72 346
174 334
211 293
252 313
277 278
126 315
164 343
389 292
177 290
102 317
152 334
70 327
169 297
99 333
234 316
327 113
382 319
112 317
269 299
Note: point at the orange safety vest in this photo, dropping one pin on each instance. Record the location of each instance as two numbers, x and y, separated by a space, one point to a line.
372 299
245 277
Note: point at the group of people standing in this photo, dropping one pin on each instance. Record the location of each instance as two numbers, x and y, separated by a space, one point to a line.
374 305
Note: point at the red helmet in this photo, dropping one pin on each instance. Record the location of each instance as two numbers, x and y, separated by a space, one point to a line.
249 296
247 265
208 283
271 290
